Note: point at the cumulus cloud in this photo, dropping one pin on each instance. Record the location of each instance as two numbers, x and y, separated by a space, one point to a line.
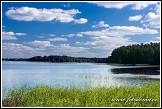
105 42
142 5
11 35
67 49
57 39
69 35
135 18
100 24
120 5
79 35
42 44
80 21
120 31
151 20
16 47
34 14
8 36
20 34
73 35
113 37
15 50
158 8
117 5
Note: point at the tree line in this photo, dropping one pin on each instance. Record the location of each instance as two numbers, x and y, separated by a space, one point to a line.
55 58
136 54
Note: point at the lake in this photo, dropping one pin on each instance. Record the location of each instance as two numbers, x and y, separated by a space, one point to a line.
18 74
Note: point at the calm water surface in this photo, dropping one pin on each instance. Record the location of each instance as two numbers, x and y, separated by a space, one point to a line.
18 74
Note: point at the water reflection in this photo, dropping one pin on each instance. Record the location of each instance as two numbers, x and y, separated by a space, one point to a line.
141 70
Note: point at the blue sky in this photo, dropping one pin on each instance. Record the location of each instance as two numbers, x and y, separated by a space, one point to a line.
81 29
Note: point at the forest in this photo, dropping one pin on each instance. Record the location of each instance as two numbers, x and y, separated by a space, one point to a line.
55 58
136 54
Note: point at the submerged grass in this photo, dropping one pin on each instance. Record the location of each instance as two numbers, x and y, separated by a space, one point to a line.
46 96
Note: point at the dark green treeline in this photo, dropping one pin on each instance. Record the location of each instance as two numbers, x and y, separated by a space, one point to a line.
136 54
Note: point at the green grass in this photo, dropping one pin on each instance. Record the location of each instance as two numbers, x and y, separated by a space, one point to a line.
45 96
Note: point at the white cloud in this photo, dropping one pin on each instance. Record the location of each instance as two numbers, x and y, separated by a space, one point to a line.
142 5
158 9
79 35
152 41
86 43
151 20
80 21
113 37
120 5
16 47
135 18
11 35
20 34
100 24
42 44
52 35
77 43
34 14
8 36
117 5
57 39
72 35
67 49
106 42
69 35
14 50
120 31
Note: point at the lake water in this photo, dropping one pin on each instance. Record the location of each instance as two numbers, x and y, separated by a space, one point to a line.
18 74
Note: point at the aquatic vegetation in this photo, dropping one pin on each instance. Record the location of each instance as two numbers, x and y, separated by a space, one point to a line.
46 96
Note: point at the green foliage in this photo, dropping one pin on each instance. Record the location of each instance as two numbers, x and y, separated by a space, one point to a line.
137 54
45 96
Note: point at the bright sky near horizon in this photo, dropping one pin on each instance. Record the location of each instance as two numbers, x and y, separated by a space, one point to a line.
80 29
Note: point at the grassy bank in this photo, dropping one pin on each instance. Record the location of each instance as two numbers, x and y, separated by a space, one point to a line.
45 96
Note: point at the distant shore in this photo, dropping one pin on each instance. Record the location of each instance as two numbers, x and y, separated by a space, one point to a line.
55 58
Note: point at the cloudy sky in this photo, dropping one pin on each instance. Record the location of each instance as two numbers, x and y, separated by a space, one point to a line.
82 29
